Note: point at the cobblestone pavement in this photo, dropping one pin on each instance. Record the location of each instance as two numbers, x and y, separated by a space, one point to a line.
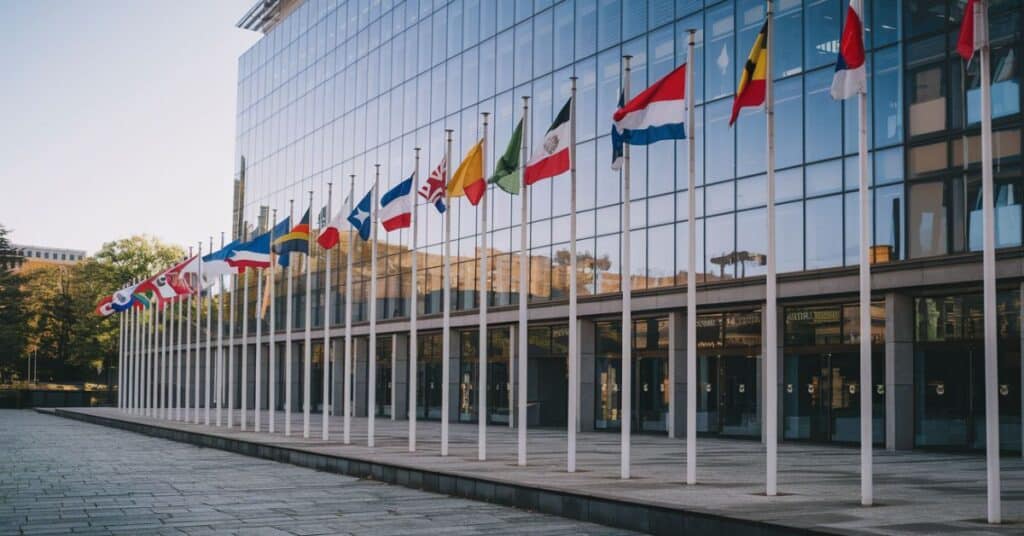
61 476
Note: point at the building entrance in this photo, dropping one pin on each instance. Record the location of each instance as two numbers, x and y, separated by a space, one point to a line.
728 372
650 398
548 376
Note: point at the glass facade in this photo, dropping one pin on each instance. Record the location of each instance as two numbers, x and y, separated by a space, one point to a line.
729 374
650 389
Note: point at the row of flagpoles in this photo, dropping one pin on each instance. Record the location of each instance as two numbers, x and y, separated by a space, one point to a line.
659 113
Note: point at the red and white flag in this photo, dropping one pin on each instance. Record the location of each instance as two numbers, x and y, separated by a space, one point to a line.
973 30
330 235
552 157
851 76
105 307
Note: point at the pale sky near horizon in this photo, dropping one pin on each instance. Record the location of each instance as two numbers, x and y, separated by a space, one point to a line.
117 117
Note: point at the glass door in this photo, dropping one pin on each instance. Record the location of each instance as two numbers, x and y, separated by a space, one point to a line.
707 395
805 398
738 396
651 394
383 379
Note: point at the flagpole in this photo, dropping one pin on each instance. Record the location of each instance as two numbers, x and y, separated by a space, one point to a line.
866 375
188 347
771 309
446 319
413 307
989 272
307 350
232 313
524 291
167 338
347 401
327 365
574 364
288 336
199 333
272 328
144 323
482 351
258 373
220 343
691 276
244 346
372 362
120 362
161 371
153 363
209 350
177 362
625 399
136 347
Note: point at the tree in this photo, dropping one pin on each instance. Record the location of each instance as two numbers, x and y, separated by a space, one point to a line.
12 316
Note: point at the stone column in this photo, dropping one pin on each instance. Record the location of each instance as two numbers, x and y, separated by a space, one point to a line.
677 344
587 338
401 376
899 371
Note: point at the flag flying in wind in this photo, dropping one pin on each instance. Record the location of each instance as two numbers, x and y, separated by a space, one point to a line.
973 30
256 252
360 216
396 206
851 77
330 234
294 241
552 157
122 299
143 298
433 190
618 152
506 170
752 83
215 264
658 113
105 307
468 179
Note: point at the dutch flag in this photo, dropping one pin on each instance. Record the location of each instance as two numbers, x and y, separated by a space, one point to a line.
656 114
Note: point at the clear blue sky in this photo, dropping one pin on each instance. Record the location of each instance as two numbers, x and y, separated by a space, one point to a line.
118 117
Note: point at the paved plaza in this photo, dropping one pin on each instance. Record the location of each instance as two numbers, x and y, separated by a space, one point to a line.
62 476
917 492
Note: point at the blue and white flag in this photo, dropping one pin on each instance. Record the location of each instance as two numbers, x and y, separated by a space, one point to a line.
360 216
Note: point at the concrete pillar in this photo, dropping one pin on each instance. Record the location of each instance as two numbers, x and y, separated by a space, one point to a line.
677 373
361 356
899 371
588 348
401 375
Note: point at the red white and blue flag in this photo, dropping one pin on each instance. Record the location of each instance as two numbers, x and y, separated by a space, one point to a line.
851 76
396 206
658 113
256 252
105 307
434 189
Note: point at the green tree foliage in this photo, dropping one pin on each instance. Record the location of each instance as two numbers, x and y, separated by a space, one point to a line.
12 315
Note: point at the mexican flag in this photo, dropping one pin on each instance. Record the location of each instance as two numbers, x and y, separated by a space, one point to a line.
552 157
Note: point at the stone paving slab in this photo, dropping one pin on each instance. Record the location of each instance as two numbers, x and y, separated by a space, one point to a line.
819 484
61 476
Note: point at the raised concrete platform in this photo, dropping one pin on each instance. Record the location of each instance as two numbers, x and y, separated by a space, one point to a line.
916 492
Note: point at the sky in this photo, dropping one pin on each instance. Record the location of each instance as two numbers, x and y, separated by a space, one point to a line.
117 117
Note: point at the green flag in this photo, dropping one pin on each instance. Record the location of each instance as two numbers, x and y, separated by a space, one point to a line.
506 171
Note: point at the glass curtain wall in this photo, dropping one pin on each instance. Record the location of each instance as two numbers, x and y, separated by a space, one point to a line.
729 374
497 374
650 375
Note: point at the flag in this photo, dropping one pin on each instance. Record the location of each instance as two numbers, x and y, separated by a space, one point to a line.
658 113
433 190
105 307
552 157
165 285
175 279
506 170
396 206
360 216
330 234
973 31
256 252
468 179
294 241
851 74
618 153
752 83
215 264
122 299
143 298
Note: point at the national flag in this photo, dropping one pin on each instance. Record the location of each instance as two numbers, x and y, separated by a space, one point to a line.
752 88
552 157
175 278
973 30
143 298
360 216
122 299
433 190
294 241
468 179
215 264
105 307
506 170
657 113
618 152
160 285
851 74
396 206
330 234
256 252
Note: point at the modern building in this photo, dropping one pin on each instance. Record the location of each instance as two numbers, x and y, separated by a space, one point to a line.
48 255
335 87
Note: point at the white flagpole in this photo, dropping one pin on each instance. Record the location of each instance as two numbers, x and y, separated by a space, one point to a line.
989 273
153 349
219 380
244 346
209 349
232 313
524 291
271 329
691 276
413 307
288 336
199 334
142 375
187 350
327 360
347 395
161 360
625 399
372 362
130 361
771 365
258 319
446 318
574 361
866 375
135 361
481 409
165 369
394 373
120 361
177 362
307 343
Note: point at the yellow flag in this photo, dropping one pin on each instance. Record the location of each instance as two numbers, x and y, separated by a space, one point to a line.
468 180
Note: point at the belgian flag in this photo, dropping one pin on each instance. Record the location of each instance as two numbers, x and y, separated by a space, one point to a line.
295 241
752 84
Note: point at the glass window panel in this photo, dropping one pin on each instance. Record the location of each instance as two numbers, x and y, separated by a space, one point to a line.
788 122
638 259
586 28
821 24
889 222
543 44
609 23
923 16
789 185
788 46
789 237
752 192
927 159
586 92
487 68
888 165
660 210
883 24
471 76
927 99
524 53
824 178
564 36
822 134
661 258
608 268
851 171
634 18
719 198
608 220
750 142
751 242
586 177
1005 77
682 252
504 59
720 246
824 232
720 159
851 224
926 220
721 52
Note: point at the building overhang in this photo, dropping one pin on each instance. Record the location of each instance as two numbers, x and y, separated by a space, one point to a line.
266 14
